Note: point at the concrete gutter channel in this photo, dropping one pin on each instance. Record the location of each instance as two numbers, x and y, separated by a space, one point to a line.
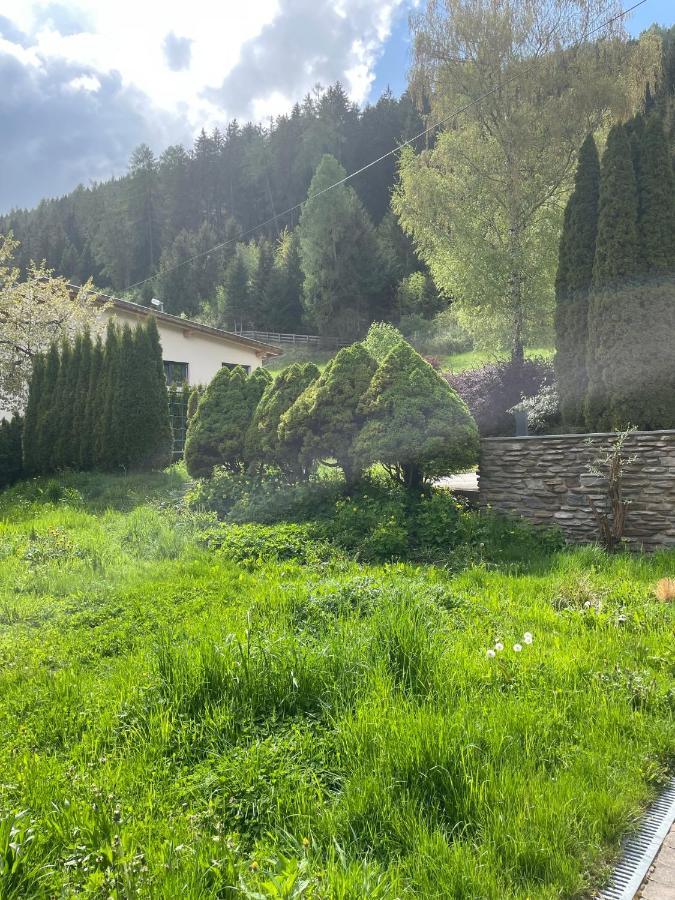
646 869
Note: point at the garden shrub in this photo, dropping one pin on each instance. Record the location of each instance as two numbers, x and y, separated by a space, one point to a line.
382 337
543 410
414 423
491 391
11 457
265 543
216 435
324 420
263 445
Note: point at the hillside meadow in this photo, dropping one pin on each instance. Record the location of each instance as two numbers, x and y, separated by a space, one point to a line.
204 710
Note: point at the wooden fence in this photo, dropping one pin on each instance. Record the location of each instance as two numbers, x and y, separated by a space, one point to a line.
280 339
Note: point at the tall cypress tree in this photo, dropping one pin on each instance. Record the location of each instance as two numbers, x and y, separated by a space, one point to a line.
11 461
656 204
106 452
125 417
614 268
92 408
80 399
155 435
573 282
47 413
68 440
62 407
30 429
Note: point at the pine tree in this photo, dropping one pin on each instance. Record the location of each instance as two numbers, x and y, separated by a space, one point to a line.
415 423
31 462
264 446
573 282
283 294
614 269
323 421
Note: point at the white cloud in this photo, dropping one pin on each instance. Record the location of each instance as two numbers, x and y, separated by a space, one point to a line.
89 83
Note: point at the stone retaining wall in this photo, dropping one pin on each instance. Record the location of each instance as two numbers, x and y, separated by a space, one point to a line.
545 479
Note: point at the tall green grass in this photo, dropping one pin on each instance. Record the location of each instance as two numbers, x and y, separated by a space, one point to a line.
178 720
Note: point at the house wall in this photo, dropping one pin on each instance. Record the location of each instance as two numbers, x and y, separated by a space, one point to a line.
545 479
204 353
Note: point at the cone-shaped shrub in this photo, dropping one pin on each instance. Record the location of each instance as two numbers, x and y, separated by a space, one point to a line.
217 433
92 410
80 400
48 419
193 403
573 282
323 421
415 423
264 447
11 458
31 462
106 451
614 270
656 200
153 446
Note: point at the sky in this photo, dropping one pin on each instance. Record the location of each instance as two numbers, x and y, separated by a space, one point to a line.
84 82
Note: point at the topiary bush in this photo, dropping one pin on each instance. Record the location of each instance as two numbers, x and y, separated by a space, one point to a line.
492 391
414 422
216 434
264 447
323 421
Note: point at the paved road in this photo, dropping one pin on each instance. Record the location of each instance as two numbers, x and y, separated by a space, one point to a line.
465 481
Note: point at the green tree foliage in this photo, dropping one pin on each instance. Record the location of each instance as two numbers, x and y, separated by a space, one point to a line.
483 203
47 413
616 264
338 250
381 339
632 306
80 396
415 423
656 203
264 446
152 444
106 454
11 458
31 458
283 310
573 283
323 421
193 402
217 432
92 408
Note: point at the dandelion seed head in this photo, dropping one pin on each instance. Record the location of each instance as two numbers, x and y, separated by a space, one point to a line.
517 647
527 638
491 653
499 646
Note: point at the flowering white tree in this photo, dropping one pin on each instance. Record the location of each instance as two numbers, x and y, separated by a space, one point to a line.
35 311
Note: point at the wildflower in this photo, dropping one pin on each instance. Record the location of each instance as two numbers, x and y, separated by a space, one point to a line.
499 646
622 618
517 647
254 866
527 638
491 654
305 842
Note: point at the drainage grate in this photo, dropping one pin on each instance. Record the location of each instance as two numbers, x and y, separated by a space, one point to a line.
641 848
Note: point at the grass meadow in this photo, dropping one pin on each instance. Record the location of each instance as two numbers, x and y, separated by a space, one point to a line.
188 718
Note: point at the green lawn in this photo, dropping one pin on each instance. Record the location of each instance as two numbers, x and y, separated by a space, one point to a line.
184 721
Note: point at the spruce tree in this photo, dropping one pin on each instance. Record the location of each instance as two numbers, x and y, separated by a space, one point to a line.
323 421
264 446
573 282
614 269
30 434
415 423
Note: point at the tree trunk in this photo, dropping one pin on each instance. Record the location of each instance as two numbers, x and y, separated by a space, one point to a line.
516 294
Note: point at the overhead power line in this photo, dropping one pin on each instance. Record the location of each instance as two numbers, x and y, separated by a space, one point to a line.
457 112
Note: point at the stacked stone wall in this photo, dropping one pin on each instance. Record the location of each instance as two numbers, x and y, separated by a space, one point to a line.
546 480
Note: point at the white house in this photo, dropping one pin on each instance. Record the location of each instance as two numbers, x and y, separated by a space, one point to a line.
192 352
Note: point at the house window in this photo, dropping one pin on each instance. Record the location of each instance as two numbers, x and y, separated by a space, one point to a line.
246 369
175 372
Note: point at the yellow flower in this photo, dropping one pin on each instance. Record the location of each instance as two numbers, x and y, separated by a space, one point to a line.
254 866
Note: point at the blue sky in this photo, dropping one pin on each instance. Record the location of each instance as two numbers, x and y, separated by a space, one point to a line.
392 66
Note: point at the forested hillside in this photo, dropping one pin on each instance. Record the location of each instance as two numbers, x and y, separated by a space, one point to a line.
168 209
